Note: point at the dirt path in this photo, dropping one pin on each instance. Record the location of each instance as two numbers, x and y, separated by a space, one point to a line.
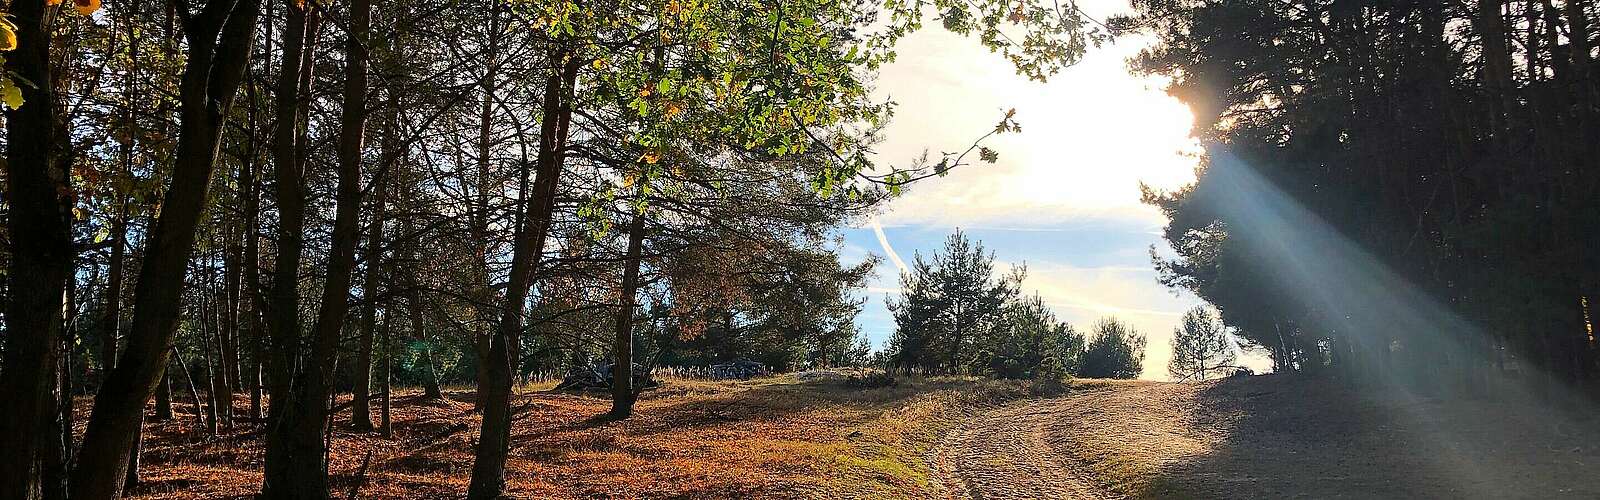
1267 437
1007 453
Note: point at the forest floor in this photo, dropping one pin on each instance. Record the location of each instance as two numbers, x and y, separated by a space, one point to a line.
771 437
783 437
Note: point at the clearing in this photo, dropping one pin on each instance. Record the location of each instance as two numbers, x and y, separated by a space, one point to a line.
783 437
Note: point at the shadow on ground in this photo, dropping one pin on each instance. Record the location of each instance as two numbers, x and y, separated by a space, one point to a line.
1300 437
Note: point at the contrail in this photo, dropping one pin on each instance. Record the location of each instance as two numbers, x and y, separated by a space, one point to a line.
884 240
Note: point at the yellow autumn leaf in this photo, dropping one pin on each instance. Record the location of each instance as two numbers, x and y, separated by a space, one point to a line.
650 157
52 2
86 7
8 36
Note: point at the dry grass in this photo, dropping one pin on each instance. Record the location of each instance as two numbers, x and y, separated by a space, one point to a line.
773 437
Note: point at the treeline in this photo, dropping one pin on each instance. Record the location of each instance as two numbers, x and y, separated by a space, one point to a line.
293 199
956 315
1399 190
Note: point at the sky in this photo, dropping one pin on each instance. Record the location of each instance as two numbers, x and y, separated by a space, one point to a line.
1063 199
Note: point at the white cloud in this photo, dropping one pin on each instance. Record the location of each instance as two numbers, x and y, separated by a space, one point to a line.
1088 137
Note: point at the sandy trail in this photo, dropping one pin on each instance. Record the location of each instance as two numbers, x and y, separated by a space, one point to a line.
1008 453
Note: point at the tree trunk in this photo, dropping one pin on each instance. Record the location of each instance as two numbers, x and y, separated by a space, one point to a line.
221 393
56 442
414 309
229 332
39 224
194 393
111 322
131 479
1497 77
385 426
283 311
430 379
350 140
251 301
301 471
219 41
164 397
480 214
533 226
207 341
623 393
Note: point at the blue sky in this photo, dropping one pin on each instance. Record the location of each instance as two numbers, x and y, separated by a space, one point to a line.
1064 196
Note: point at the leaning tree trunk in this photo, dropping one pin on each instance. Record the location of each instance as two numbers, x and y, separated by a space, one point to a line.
623 393
39 193
220 39
533 226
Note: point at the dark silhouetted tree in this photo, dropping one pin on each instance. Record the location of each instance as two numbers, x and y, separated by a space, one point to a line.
1201 346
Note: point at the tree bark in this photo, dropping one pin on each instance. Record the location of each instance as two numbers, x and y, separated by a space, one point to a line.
220 37
38 190
623 393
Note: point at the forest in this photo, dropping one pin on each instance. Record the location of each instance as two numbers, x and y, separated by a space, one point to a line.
300 198
1398 190
271 236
